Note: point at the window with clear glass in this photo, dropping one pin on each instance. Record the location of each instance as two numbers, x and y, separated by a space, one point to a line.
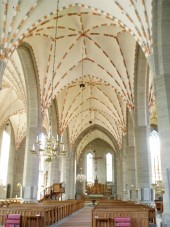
4 157
155 156
89 168
109 167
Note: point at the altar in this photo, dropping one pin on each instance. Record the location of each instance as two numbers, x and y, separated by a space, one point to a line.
95 196
97 190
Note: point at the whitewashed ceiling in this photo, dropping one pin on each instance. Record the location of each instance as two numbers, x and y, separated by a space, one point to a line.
95 45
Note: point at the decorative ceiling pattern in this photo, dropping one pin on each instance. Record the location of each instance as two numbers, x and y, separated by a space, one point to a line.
20 17
19 125
13 98
95 104
95 45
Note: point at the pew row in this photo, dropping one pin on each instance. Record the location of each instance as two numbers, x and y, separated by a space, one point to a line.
41 214
104 214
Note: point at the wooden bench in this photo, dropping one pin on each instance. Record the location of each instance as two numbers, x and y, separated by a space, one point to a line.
13 220
111 203
122 222
41 214
159 205
105 212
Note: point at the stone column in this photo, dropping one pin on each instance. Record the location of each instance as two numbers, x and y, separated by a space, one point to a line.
162 92
130 170
160 63
162 86
124 170
31 164
141 127
18 177
71 175
130 154
2 68
119 176
54 168
31 170
142 160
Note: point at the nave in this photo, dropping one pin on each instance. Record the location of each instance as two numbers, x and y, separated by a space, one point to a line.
83 85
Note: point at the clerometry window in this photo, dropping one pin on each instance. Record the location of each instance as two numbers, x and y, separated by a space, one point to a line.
89 168
4 158
109 167
155 156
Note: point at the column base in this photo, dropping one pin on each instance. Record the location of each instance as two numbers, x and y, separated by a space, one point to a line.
30 194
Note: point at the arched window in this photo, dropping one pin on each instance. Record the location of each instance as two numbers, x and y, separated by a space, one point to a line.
109 167
4 157
89 168
155 156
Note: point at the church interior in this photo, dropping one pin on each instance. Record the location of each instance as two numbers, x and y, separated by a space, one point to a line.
85 111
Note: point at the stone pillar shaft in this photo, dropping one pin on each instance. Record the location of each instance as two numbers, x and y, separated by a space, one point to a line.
162 85
142 157
2 68
161 73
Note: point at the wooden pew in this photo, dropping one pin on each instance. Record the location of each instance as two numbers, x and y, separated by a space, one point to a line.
159 205
41 214
151 210
104 213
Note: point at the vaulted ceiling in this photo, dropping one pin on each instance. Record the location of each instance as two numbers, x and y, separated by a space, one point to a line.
95 46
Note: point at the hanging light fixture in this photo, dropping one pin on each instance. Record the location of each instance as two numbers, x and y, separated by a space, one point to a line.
158 187
81 177
52 146
90 121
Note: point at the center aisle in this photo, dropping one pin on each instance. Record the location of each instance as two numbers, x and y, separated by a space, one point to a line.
81 218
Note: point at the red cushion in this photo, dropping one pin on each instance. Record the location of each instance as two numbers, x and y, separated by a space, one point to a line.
12 225
122 224
13 216
122 220
10 221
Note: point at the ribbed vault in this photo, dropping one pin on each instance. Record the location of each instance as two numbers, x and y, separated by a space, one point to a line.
95 45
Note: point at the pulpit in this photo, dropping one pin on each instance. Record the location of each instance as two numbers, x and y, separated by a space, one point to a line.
53 192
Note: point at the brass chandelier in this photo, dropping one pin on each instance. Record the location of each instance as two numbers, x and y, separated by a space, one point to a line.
50 148
158 184
158 187
81 177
